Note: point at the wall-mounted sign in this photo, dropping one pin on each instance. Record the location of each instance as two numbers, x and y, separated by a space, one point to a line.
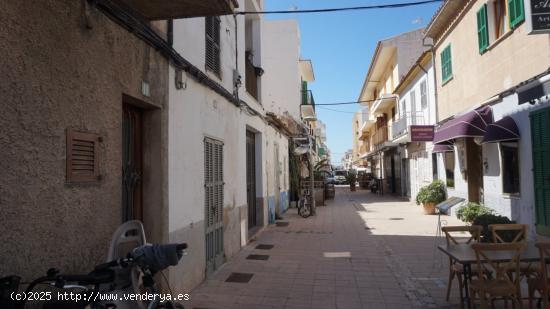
537 13
422 133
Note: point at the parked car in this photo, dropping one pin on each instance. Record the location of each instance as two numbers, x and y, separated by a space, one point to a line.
340 177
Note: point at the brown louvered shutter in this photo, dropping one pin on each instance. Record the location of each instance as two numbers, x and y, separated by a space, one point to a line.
82 156
212 26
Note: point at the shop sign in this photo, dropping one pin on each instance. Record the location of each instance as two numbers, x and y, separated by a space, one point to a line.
538 16
422 133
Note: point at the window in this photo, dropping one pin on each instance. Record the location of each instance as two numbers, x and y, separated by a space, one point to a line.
82 157
446 64
212 25
424 94
491 23
482 31
449 160
499 13
517 14
413 104
403 109
510 167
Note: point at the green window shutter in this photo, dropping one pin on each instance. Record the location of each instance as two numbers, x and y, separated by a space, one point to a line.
517 12
540 137
482 32
304 92
446 64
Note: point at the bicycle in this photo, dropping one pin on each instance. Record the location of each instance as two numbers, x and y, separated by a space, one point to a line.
133 274
304 204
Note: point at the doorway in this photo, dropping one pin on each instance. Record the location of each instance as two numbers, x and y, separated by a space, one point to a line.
213 203
132 163
474 171
277 184
251 178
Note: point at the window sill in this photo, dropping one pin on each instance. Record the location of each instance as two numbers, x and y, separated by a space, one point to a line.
497 41
511 196
443 83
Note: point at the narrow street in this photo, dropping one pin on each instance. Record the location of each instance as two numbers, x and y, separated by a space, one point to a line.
360 251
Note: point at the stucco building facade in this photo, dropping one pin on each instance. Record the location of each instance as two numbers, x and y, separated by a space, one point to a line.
170 123
489 67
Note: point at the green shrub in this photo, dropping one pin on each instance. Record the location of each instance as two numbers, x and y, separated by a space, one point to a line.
432 193
487 219
470 211
352 176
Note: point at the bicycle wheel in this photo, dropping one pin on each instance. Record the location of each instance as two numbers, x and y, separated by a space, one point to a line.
304 211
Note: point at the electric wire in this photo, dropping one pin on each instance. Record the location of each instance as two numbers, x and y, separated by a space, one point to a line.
356 8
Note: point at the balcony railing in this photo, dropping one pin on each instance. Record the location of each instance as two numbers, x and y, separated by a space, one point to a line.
380 136
308 106
307 98
401 126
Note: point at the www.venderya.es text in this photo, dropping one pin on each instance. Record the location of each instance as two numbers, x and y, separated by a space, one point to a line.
97 297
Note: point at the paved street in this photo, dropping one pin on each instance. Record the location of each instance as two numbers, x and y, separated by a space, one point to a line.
360 251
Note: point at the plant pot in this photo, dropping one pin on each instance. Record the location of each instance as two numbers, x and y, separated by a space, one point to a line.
429 208
352 188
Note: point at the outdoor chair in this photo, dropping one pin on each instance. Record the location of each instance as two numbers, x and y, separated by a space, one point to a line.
455 235
540 283
504 282
514 233
508 233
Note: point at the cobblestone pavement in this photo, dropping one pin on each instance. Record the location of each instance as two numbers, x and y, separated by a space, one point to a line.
359 251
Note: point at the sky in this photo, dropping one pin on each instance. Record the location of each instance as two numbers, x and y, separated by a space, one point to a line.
340 46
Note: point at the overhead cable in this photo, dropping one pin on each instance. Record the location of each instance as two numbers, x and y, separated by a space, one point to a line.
355 8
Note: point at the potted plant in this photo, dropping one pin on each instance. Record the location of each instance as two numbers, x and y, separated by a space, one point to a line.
487 219
352 179
431 195
470 211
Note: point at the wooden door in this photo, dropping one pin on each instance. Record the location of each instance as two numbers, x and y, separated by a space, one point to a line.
132 163
251 178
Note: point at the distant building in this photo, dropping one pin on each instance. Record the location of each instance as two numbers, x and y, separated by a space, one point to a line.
373 125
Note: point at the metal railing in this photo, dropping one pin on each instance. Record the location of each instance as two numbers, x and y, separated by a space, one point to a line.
307 98
401 126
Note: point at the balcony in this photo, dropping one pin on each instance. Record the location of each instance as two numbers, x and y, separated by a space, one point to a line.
381 104
308 106
380 136
368 120
364 149
173 9
400 128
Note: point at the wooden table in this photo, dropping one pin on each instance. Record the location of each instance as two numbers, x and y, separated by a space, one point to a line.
465 255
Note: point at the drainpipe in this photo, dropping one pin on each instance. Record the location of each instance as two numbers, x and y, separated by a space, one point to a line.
431 46
436 120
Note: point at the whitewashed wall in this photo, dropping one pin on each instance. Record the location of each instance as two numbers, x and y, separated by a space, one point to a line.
196 112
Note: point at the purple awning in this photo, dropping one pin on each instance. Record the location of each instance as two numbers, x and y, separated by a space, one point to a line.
505 129
442 148
470 124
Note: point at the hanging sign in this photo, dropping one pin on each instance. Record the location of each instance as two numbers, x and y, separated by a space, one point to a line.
422 133
537 13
